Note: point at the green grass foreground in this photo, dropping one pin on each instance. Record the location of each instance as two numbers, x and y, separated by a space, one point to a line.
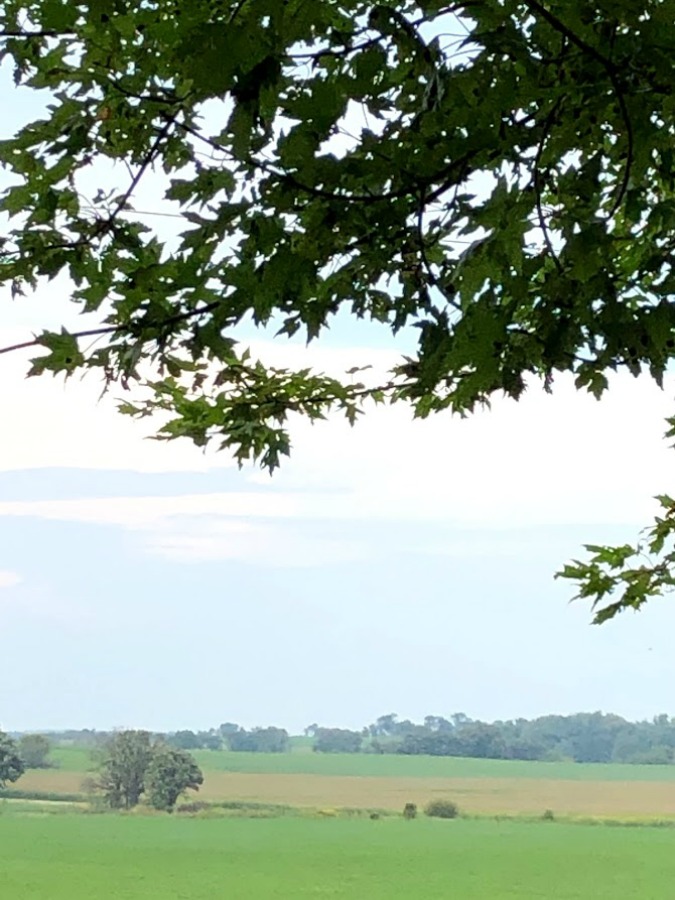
302 762
70 857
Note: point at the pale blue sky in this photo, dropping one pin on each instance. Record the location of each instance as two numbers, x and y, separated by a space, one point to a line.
399 567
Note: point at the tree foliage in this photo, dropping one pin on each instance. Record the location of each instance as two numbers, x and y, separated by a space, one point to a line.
184 740
200 740
258 740
497 179
34 750
626 576
11 764
582 737
337 740
131 765
171 773
124 762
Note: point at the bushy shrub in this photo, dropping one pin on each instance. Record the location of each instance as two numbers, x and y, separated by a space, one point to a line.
548 815
410 811
193 807
441 809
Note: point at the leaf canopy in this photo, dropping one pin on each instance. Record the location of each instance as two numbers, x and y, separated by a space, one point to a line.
496 178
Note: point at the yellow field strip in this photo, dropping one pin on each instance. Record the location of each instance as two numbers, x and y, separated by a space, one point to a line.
480 795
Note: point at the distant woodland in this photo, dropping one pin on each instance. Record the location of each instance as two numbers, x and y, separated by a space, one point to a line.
583 737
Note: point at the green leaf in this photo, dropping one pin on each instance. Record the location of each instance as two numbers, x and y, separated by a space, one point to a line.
64 354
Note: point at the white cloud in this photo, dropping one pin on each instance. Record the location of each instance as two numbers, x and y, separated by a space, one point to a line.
199 527
565 459
545 461
143 513
9 579
213 539
52 424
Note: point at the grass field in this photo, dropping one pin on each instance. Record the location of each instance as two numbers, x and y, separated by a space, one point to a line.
54 851
69 857
302 762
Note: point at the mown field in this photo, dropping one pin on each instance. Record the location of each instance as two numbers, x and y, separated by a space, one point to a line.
67 857
486 787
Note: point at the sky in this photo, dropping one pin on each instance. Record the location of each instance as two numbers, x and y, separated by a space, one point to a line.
400 566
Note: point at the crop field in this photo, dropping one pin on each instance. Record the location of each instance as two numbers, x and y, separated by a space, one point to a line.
388 782
304 762
484 796
68 857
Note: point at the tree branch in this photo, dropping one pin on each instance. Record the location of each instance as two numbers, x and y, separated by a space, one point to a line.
148 160
8 33
537 8
548 124
630 139
431 276
104 225
164 100
131 329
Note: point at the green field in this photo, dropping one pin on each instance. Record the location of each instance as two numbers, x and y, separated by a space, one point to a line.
68 857
301 762
312 851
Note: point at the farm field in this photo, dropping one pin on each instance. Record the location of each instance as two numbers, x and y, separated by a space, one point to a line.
304 762
68 857
485 787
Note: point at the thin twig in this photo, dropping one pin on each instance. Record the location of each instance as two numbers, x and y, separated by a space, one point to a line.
165 100
365 45
548 124
431 277
235 12
630 140
538 8
148 160
105 225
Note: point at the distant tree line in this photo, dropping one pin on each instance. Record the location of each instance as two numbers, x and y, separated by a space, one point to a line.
231 736
583 737
35 748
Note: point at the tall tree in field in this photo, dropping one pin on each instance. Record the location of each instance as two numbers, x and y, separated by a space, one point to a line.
11 764
124 762
496 177
170 774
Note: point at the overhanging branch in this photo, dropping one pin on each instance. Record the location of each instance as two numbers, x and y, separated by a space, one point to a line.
131 330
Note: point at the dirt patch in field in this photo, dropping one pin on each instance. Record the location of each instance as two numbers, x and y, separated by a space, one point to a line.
485 795
51 780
